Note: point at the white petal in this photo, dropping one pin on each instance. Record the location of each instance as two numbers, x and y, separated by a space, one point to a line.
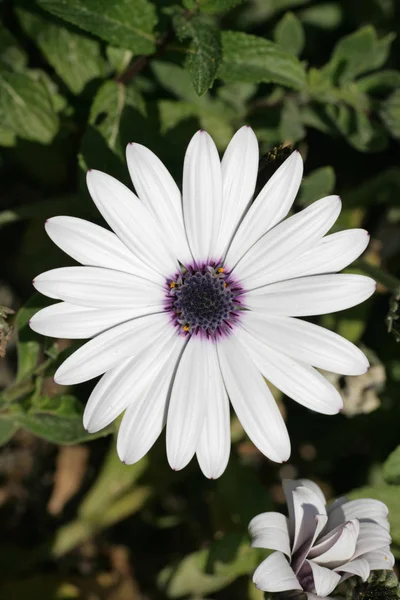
144 420
271 206
100 288
306 342
95 246
202 197
239 174
190 392
109 348
358 567
325 580
371 537
215 439
315 295
364 509
270 530
126 383
159 192
330 254
341 550
300 556
132 222
308 483
275 575
253 401
306 506
380 559
299 381
285 242
64 320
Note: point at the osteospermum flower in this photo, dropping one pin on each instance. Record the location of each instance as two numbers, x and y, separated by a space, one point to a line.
318 547
192 299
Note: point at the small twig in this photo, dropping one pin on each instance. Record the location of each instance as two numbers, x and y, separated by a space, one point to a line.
140 63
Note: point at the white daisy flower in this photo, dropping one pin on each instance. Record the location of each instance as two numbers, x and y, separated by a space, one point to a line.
192 300
318 547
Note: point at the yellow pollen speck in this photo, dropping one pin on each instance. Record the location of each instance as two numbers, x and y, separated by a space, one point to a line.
172 284
186 328
225 284
221 270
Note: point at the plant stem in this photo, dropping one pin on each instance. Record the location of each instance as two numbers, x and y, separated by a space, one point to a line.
140 63
390 282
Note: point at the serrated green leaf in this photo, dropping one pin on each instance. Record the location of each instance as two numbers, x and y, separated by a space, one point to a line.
12 56
250 58
391 468
289 34
390 114
358 53
204 53
317 184
57 419
27 107
123 23
76 58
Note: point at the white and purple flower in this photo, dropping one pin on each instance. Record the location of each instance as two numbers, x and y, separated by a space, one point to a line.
318 547
193 298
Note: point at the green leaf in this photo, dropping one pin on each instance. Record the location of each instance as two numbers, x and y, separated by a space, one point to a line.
289 34
12 56
379 83
123 23
327 15
27 107
176 80
76 58
291 126
250 58
29 342
7 430
57 419
390 114
119 58
101 146
207 571
389 494
391 468
212 6
173 112
358 53
319 183
114 480
204 52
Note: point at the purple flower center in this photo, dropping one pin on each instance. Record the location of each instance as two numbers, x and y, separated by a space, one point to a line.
204 300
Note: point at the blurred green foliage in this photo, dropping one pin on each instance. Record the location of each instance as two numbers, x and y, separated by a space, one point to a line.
79 79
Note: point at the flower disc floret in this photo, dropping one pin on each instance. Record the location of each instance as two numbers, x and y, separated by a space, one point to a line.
204 300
